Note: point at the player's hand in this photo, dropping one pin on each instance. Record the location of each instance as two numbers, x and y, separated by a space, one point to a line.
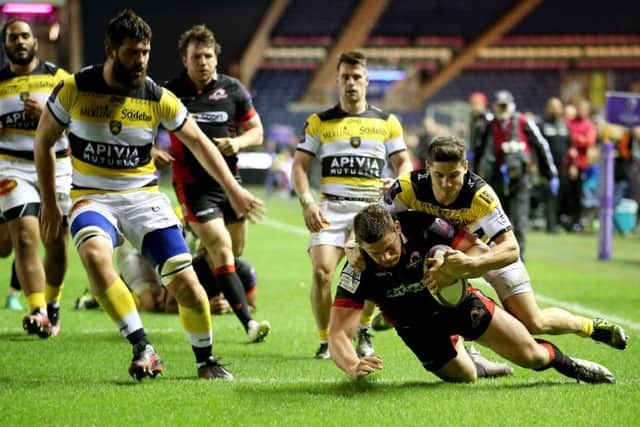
386 184
436 274
161 158
33 107
366 366
50 221
227 146
220 305
355 257
314 219
246 204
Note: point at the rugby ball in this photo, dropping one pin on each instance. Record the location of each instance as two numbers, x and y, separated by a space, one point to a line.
453 294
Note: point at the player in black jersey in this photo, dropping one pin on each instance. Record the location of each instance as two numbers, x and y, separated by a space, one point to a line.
219 104
394 279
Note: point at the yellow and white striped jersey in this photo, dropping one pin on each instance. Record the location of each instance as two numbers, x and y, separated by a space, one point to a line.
19 129
352 149
111 133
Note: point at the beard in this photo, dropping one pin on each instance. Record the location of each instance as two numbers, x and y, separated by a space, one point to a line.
126 75
17 59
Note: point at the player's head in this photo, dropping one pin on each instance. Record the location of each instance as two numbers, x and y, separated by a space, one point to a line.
128 44
478 103
504 105
19 42
447 166
554 108
199 52
377 235
352 77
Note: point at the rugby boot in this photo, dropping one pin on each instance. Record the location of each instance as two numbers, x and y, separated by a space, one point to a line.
54 318
364 343
609 333
257 331
146 362
486 368
590 372
213 370
37 323
323 351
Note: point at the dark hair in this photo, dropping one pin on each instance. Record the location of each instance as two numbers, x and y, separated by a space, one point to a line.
199 34
10 22
352 57
372 223
126 24
446 149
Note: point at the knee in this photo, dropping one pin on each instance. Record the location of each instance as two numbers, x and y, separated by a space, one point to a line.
93 254
322 275
532 356
535 324
187 290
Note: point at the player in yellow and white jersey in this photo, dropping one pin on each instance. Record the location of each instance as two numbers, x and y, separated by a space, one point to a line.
112 112
25 85
352 141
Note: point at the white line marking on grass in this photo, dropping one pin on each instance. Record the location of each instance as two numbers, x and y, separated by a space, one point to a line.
580 309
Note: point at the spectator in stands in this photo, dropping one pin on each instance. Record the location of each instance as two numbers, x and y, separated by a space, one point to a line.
556 131
627 154
430 129
583 137
507 144
480 118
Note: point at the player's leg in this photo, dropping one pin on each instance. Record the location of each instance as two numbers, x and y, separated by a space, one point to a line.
249 279
140 277
364 343
509 338
459 369
6 248
238 230
513 285
95 235
324 260
20 205
167 250
56 256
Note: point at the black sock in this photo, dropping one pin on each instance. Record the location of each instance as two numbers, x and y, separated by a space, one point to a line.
138 336
53 311
202 354
15 284
234 293
558 360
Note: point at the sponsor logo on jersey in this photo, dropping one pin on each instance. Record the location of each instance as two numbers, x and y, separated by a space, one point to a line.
399 291
115 127
24 96
355 141
218 94
135 115
349 279
486 197
211 117
19 120
392 192
352 166
96 111
114 156
337 133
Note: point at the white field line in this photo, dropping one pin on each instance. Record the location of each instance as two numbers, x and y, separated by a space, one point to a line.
571 306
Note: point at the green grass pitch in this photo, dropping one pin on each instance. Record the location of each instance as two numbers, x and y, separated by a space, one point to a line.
80 378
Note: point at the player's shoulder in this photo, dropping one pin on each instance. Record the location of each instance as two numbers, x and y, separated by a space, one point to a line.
375 112
332 113
481 193
47 67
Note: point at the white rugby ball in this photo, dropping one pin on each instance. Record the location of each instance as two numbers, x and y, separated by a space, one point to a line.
453 294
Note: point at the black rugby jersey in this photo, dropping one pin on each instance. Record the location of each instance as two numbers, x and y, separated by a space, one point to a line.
398 291
218 109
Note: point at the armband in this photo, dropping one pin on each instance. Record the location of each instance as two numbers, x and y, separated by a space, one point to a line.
306 199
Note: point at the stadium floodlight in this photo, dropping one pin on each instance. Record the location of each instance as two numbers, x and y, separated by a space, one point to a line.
27 8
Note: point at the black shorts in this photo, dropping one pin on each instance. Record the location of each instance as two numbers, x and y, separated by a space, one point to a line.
202 203
432 341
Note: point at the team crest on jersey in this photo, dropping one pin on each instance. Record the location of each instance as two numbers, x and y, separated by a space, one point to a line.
355 141
115 126
218 94
7 185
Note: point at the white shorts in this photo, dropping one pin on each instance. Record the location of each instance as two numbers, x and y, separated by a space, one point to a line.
340 215
133 215
510 280
19 184
136 271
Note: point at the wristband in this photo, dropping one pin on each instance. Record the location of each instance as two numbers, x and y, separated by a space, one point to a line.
306 199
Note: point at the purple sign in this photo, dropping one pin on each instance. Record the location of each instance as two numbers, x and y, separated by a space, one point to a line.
623 108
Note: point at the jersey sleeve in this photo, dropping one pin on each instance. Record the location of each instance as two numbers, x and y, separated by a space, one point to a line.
61 100
173 113
398 197
348 293
395 143
492 221
310 142
245 111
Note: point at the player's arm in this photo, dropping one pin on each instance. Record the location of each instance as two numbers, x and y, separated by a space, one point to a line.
47 133
252 134
313 216
505 251
342 326
243 202
401 163
541 146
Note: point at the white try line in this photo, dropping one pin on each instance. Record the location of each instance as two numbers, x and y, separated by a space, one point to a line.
574 307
